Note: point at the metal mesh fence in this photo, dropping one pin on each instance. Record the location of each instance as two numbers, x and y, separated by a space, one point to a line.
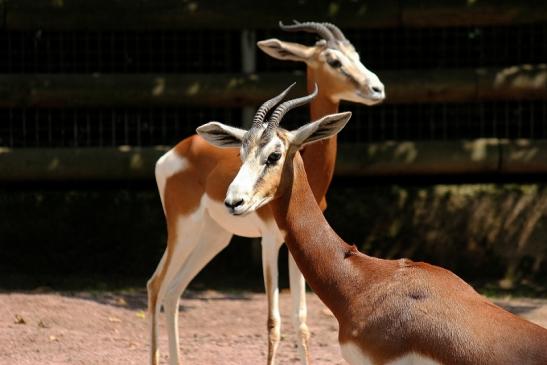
427 48
511 120
105 127
167 126
219 51
208 51
442 121
119 52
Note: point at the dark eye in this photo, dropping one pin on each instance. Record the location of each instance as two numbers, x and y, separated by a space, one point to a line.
334 63
273 158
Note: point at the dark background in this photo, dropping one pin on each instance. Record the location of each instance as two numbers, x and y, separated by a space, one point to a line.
93 95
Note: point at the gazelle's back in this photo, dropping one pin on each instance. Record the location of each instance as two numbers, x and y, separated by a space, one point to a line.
426 310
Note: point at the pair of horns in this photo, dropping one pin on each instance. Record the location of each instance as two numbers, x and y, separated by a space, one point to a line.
326 31
282 109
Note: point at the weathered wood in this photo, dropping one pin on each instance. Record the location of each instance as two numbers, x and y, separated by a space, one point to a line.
458 157
481 156
448 13
193 14
418 158
239 14
528 82
523 156
419 86
233 90
73 164
514 82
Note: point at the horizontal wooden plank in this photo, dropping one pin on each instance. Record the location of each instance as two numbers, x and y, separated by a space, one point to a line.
523 156
513 82
448 13
481 156
458 157
239 14
54 90
179 14
78 164
520 82
419 158
528 82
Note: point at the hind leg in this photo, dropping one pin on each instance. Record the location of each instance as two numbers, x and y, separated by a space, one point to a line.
153 287
181 242
209 242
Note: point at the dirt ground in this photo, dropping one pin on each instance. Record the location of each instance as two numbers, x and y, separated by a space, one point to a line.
216 328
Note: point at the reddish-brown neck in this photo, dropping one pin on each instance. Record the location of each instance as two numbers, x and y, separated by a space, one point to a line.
320 157
319 252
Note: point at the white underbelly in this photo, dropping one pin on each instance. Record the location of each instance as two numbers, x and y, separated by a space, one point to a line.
355 356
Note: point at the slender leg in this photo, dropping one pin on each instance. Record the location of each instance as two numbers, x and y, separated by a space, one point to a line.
153 286
209 242
270 252
298 295
171 310
181 242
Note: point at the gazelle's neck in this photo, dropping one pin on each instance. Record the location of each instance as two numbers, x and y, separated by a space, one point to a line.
320 157
320 254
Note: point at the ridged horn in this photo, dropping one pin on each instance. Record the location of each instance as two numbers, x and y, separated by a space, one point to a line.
265 108
282 109
310 27
338 34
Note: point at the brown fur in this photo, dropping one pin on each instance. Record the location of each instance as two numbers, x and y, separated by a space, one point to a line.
212 169
390 308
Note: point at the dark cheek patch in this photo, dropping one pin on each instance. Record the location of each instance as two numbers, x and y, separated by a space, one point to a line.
259 180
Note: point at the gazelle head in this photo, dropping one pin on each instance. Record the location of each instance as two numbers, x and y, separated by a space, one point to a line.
265 149
333 60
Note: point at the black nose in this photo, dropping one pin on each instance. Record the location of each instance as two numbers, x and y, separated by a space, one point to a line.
376 89
233 204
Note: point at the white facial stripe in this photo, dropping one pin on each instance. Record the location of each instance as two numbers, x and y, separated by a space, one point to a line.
244 180
244 185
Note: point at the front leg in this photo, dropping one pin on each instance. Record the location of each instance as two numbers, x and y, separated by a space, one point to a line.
270 252
298 295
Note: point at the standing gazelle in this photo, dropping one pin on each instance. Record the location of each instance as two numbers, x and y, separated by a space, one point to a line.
193 178
389 311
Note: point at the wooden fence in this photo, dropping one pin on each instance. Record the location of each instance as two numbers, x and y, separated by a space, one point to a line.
518 82
249 14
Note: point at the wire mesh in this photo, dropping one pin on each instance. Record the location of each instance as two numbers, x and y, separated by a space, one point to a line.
208 51
119 52
105 127
430 48
443 121
218 51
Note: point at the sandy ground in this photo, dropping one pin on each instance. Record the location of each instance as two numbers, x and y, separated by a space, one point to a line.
216 328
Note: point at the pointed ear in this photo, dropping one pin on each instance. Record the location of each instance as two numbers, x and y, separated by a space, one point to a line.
323 128
286 50
221 135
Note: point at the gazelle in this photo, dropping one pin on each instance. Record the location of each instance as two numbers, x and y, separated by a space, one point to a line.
193 178
389 311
